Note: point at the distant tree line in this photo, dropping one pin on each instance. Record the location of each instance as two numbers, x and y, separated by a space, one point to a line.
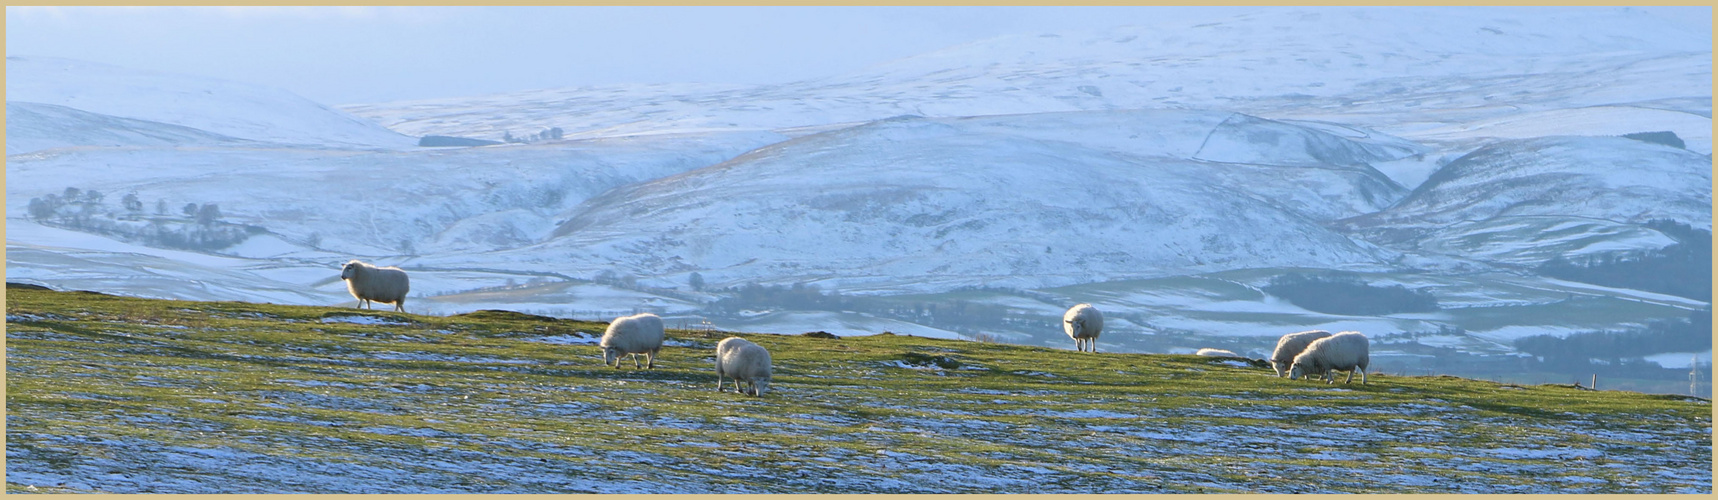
198 226
446 141
1683 269
554 133
1620 347
1667 138
1343 293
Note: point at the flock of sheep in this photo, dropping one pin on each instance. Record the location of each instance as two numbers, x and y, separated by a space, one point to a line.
1304 354
736 358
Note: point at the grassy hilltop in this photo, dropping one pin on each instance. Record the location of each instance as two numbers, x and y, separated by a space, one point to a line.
114 394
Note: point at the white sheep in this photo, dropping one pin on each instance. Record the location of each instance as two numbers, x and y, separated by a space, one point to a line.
743 361
636 334
1290 346
1346 351
1216 352
1083 324
380 284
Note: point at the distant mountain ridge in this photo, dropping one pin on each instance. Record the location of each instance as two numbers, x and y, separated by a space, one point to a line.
232 109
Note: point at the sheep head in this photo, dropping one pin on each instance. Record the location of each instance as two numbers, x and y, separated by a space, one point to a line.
349 270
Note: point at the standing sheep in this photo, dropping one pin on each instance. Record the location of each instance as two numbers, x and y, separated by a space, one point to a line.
743 361
1346 351
379 284
1083 323
1216 352
636 334
1290 346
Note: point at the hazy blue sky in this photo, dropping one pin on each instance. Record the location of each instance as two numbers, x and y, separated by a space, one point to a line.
344 55
341 55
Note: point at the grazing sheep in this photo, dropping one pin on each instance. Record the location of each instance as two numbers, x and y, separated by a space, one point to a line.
1290 346
380 284
634 335
1217 352
743 361
1083 323
1347 351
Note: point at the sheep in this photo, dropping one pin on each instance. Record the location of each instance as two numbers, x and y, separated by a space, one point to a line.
1290 346
1083 323
634 335
1345 351
369 283
743 361
1216 352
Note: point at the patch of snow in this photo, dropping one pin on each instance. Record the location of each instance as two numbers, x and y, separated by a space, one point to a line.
1681 360
564 340
363 320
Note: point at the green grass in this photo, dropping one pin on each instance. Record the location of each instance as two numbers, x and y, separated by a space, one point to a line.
114 394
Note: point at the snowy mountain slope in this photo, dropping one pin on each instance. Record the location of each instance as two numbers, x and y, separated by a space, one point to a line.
33 127
1694 130
1396 69
379 203
1525 201
215 106
1531 240
932 204
1330 176
1608 178
583 111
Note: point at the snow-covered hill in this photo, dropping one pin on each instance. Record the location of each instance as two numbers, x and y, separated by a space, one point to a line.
1608 178
33 127
1526 201
379 203
1398 69
1024 200
214 106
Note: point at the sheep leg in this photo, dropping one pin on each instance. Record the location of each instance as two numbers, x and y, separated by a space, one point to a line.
1351 376
1092 343
737 386
719 387
635 364
650 359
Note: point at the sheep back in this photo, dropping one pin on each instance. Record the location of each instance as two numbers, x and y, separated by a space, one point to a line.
1346 351
1083 322
1216 352
1292 345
